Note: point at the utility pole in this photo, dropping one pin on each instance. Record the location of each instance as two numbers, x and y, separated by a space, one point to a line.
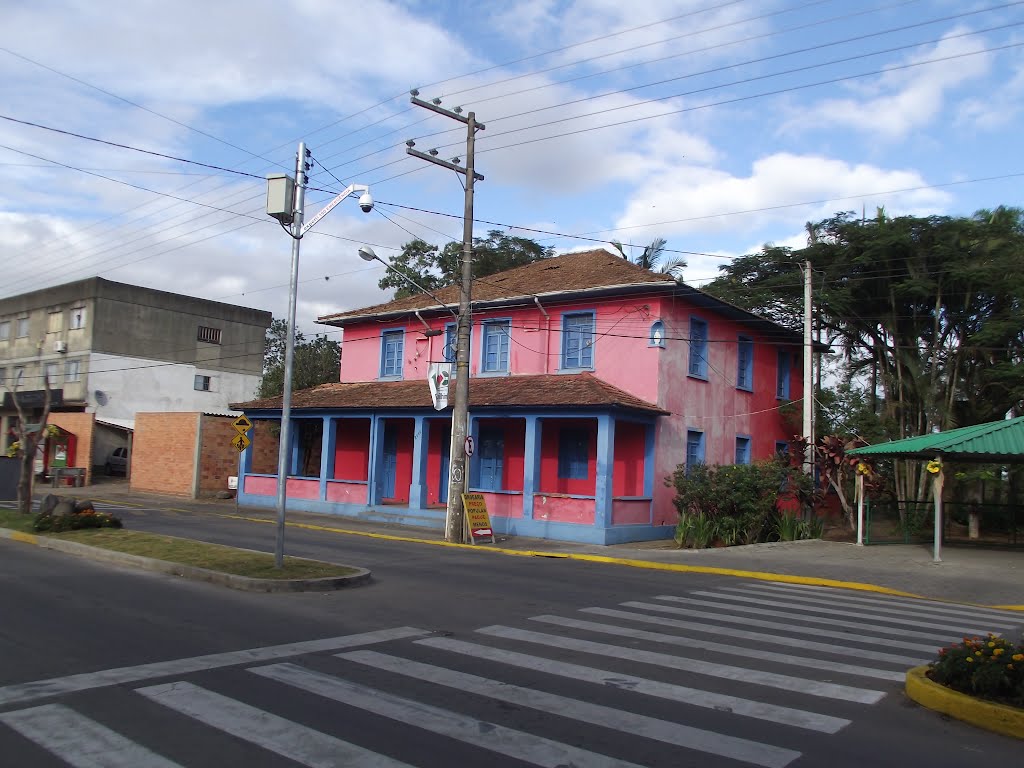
457 469
808 427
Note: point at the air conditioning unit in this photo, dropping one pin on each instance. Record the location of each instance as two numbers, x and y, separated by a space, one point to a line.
60 346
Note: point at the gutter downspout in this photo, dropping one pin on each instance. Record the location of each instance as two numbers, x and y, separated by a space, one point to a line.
547 332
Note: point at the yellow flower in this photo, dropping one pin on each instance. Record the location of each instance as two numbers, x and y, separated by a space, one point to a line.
977 653
991 645
970 659
1018 657
998 651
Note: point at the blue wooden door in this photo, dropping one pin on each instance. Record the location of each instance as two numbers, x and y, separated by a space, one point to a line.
446 456
390 468
492 458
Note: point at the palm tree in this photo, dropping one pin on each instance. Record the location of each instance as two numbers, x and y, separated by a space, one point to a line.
653 258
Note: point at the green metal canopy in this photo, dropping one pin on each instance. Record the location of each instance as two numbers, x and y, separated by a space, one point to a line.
995 441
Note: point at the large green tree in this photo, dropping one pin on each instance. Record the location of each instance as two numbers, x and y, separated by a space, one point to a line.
433 268
929 308
317 361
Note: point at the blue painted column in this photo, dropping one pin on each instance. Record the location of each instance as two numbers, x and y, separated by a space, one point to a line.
418 486
473 474
649 460
374 475
327 455
605 466
293 449
531 464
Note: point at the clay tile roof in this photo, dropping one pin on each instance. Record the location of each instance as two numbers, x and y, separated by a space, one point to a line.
587 270
551 390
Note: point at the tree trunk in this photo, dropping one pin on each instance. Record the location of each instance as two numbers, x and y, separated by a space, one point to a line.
28 442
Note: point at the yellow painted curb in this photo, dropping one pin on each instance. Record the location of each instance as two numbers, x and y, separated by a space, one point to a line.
1000 718
646 564
1009 607
28 538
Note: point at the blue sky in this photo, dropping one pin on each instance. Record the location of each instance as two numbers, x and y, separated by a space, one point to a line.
717 125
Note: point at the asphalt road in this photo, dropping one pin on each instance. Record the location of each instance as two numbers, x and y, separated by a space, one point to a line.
457 658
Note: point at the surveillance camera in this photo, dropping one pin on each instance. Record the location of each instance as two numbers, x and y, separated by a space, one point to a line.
366 202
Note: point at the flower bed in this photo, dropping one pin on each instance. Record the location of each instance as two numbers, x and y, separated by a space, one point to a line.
991 668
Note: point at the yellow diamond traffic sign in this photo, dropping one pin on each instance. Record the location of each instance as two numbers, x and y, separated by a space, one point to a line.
241 442
241 425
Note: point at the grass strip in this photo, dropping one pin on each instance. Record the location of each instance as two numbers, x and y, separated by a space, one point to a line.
10 518
201 554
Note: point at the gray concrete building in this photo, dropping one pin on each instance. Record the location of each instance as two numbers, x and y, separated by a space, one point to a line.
115 350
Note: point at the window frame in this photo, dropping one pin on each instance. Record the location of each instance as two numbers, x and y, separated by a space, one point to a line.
5 330
450 350
744 442
49 381
27 322
656 336
567 335
18 375
76 318
783 374
55 321
399 361
205 379
570 464
699 443
74 375
207 334
504 324
745 371
700 351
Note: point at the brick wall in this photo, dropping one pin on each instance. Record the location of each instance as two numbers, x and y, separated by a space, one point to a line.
218 459
164 452
265 437
82 426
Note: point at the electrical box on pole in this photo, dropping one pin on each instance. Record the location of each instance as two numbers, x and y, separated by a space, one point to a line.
281 197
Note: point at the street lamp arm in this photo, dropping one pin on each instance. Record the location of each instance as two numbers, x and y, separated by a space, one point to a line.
367 254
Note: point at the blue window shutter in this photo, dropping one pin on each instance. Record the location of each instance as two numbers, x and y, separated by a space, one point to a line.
742 450
578 341
496 341
782 382
694 448
698 348
450 343
745 363
391 353
573 453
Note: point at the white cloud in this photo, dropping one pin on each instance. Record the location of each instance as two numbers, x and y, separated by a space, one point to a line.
900 100
690 199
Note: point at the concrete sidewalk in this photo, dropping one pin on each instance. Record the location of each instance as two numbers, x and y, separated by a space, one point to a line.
966 574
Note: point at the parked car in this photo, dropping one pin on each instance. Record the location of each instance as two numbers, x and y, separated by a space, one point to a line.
117 462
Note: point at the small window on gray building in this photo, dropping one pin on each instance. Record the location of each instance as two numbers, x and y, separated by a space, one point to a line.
3 376
76 318
202 383
209 335
5 330
55 322
72 370
52 372
22 329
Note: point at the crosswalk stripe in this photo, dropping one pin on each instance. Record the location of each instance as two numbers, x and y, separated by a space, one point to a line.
640 725
490 736
753 653
79 741
1005 618
60 685
746 621
283 737
710 668
818 608
789 640
721 702
939 639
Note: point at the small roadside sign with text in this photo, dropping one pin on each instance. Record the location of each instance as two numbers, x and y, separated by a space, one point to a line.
478 522
241 425
240 442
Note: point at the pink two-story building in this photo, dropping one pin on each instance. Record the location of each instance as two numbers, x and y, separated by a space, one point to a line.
591 380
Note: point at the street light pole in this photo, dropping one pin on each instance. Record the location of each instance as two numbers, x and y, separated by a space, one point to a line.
286 203
454 526
284 447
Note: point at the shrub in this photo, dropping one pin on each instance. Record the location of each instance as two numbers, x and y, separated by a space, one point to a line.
788 527
737 504
79 520
990 668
